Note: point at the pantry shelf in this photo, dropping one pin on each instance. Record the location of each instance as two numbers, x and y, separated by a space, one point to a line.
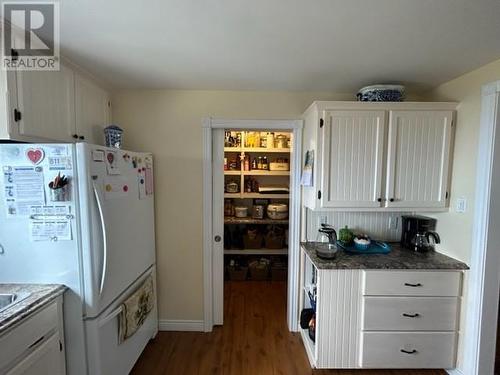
262 251
265 150
264 196
232 149
256 196
249 220
266 173
232 173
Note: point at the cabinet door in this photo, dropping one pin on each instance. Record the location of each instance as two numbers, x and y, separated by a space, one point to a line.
418 158
92 110
47 359
353 150
46 103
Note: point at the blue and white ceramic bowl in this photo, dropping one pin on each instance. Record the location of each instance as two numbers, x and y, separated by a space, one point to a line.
381 93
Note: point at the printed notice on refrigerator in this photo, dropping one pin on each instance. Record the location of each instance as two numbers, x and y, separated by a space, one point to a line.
55 230
42 212
23 188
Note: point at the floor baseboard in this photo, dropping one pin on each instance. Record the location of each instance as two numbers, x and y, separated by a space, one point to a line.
181 325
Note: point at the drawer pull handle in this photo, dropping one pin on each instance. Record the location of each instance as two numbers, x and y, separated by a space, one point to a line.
416 315
413 285
408 352
36 342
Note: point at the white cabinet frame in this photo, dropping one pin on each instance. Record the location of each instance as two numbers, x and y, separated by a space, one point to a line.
316 117
212 263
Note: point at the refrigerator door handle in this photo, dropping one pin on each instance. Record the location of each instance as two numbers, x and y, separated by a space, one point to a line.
104 237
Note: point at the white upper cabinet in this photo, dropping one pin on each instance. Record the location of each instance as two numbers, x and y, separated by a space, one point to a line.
52 106
418 158
45 103
378 156
352 157
92 108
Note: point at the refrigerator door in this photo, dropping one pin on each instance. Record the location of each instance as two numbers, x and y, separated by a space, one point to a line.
117 221
32 250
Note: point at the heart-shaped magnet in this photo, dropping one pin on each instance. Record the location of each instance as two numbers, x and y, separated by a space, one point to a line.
35 155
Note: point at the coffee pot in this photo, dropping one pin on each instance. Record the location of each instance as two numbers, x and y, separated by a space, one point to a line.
421 242
326 242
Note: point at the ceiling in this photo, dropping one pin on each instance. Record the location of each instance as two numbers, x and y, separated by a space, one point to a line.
326 45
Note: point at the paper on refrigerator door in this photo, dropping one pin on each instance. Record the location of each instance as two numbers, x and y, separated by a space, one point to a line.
53 230
23 188
141 183
148 173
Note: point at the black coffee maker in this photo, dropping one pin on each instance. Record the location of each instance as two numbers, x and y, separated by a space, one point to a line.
417 231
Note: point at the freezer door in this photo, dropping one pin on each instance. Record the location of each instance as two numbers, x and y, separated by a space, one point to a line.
117 216
106 355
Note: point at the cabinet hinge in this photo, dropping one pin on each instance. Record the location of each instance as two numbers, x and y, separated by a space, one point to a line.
319 194
60 346
321 122
14 55
17 115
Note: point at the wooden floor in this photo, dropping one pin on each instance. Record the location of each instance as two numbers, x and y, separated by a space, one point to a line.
253 340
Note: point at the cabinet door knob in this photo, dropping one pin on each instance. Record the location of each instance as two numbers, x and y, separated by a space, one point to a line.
379 200
392 199
81 137
75 136
218 238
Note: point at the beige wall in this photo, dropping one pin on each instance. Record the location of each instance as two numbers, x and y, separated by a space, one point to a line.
168 123
456 228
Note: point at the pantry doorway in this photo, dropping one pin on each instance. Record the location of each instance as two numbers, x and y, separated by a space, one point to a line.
251 208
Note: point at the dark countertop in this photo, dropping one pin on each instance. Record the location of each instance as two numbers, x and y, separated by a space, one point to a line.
398 258
39 296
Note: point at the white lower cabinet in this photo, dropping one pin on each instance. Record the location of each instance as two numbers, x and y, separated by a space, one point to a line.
36 345
408 349
372 319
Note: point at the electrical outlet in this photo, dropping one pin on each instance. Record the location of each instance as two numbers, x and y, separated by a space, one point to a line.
393 222
461 205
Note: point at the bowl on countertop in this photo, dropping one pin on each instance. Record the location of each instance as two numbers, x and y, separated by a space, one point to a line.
362 242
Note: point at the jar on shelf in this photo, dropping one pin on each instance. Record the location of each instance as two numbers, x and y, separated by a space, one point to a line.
281 141
270 140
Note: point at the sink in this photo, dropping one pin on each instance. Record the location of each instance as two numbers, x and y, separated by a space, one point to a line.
8 300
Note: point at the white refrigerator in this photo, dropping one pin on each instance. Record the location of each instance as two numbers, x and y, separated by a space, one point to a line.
81 215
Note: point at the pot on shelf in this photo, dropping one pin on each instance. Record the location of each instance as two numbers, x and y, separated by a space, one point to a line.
277 211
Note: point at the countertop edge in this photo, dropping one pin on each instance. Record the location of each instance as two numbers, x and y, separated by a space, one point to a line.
19 316
396 264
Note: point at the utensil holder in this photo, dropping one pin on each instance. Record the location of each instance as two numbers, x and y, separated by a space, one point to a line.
62 194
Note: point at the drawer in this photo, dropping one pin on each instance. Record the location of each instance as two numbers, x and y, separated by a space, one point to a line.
410 313
412 283
18 340
408 350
